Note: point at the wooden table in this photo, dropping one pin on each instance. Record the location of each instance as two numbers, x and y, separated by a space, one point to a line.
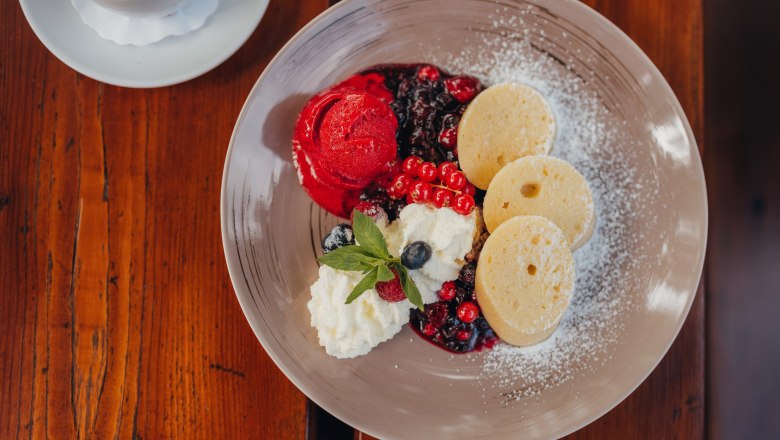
117 316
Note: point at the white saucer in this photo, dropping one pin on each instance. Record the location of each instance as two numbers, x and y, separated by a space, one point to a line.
170 61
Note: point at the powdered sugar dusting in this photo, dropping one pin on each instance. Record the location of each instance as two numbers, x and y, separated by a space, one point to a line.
587 135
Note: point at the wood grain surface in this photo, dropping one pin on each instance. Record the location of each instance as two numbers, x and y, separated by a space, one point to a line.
117 317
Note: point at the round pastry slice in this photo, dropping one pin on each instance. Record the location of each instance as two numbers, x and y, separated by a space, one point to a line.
545 186
524 279
503 123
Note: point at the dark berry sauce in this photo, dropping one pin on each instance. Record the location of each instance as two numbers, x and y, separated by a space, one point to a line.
441 324
425 108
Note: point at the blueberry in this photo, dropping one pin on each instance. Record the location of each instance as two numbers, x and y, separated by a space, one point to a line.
339 236
416 254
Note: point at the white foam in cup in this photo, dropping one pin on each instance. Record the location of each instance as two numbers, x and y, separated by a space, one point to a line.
142 8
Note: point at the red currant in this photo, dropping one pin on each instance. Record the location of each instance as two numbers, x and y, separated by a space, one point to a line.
402 183
467 311
421 192
456 180
469 189
427 171
394 192
428 329
442 198
448 138
463 335
462 88
445 169
447 291
428 72
411 164
463 205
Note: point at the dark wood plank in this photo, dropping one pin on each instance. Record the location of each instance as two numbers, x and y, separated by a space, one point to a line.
742 163
670 403
117 319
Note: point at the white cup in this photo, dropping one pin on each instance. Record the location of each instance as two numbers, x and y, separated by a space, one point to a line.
142 8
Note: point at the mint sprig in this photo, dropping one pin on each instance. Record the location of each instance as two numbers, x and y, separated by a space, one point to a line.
368 235
371 257
355 258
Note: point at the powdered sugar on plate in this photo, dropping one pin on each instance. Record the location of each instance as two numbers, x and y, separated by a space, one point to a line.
587 134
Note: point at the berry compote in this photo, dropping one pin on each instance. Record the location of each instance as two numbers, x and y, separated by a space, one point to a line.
428 103
455 323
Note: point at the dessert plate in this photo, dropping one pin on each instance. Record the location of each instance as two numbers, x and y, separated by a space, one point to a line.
171 61
619 124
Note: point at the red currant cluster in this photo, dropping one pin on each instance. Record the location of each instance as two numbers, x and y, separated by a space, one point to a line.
424 182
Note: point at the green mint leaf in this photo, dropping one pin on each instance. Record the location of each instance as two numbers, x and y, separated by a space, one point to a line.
368 235
410 289
366 283
384 273
351 258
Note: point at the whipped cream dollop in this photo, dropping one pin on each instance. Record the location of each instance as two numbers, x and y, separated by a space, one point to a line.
349 330
449 234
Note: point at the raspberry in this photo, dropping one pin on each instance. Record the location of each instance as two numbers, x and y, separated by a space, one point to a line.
437 314
391 291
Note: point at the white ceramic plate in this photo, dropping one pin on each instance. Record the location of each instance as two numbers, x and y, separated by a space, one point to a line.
171 61
619 124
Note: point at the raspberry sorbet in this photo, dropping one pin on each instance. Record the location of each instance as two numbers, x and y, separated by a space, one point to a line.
344 140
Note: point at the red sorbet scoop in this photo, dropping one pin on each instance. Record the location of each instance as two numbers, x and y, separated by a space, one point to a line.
344 140
371 82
